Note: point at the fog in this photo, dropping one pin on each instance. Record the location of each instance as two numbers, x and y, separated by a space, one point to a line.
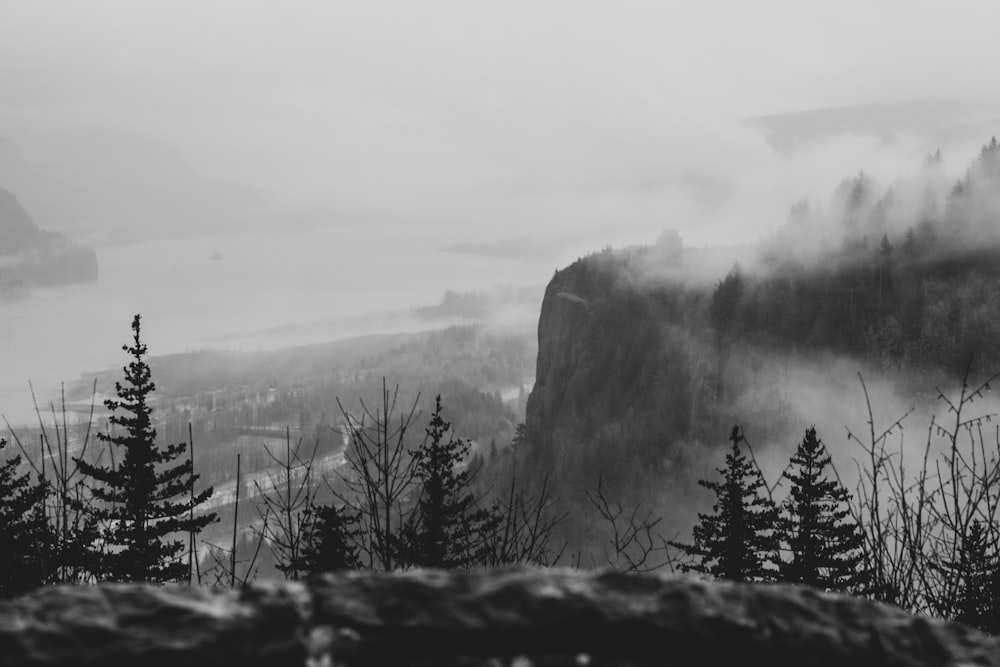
532 132
497 120
272 184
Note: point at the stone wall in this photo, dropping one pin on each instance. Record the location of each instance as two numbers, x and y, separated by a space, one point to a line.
520 617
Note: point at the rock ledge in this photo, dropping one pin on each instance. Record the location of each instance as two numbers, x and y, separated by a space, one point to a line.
554 617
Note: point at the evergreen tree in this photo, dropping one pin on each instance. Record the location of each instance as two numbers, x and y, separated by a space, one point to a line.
824 541
978 574
330 542
724 312
928 219
885 246
739 540
145 499
520 437
726 302
910 242
444 529
27 553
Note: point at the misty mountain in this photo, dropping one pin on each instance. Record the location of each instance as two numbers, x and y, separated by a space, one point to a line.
115 186
32 256
888 123
642 363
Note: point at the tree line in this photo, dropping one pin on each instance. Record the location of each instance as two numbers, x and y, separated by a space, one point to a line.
108 517
808 538
921 536
919 531
122 513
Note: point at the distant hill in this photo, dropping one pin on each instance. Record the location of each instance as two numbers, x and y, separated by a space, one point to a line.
111 186
18 232
31 256
927 120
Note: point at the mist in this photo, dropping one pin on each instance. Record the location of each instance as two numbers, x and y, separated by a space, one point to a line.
494 121
305 198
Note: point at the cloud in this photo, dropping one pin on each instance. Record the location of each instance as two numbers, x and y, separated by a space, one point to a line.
568 116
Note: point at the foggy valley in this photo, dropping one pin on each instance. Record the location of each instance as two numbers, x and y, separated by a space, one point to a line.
475 285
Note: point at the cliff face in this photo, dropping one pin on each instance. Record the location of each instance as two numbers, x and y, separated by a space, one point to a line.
637 360
32 256
620 357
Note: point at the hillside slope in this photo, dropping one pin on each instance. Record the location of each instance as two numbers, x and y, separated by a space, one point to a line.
30 256
640 364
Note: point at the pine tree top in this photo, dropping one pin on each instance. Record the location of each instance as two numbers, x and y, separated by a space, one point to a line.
808 472
823 540
147 494
738 540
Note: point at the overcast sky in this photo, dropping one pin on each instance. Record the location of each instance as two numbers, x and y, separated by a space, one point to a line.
436 104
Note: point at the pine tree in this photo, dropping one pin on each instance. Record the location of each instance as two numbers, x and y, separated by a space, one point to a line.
978 573
444 528
824 541
27 553
145 499
726 298
520 437
724 312
330 542
739 540
885 246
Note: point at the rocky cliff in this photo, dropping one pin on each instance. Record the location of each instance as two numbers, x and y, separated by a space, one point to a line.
557 617
645 356
623 357
639 350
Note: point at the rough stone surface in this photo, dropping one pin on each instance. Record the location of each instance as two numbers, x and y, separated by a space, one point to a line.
612 349
149 626
554 617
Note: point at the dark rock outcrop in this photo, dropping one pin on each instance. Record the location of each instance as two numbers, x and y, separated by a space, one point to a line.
622 358
429 618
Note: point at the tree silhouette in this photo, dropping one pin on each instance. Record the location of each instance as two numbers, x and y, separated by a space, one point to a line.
27 546
287 499
978 573
330 542
724 313
145 498
739 540
726 302
444 529
520 437
824 541
401 507
378 475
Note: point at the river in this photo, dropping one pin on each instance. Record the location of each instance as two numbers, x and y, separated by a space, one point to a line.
260 291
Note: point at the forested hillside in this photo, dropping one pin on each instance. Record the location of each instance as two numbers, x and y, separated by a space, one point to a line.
906 283
237 401
643 363
31 256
